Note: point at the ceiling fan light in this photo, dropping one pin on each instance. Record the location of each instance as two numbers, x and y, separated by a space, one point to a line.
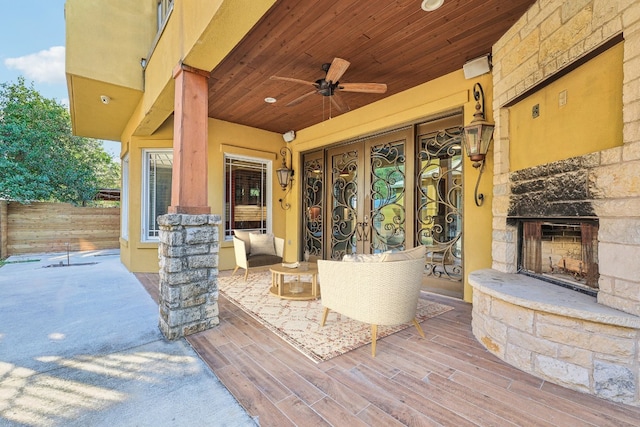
431 5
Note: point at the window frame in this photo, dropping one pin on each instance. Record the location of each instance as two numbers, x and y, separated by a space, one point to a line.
144 208
163 11
124 199
268 198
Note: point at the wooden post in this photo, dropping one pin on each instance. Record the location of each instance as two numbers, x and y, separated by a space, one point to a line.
190 138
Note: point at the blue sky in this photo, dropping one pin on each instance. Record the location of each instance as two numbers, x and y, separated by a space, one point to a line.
33 39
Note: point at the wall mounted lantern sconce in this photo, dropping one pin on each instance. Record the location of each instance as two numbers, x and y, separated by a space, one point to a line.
285 175
477 137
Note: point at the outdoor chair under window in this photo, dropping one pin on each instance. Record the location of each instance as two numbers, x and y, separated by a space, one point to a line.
256 249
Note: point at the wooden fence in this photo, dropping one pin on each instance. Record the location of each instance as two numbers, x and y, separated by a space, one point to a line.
56 227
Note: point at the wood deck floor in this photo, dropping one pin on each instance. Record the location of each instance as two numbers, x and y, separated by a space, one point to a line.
446 379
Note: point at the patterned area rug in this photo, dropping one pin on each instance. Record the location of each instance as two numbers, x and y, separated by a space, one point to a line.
298 322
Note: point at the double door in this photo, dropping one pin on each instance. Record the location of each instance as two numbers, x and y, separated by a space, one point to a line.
366 198
389 192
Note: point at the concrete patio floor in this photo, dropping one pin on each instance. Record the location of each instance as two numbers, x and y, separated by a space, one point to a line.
80 346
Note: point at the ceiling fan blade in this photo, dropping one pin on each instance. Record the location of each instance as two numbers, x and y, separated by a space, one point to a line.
300 98
291 79
363 87
337 69
339 103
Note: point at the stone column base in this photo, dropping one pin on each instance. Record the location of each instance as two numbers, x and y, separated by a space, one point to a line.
188 254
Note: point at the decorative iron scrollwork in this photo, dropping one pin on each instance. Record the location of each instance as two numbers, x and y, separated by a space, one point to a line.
313 207
387 196
439 201
344 173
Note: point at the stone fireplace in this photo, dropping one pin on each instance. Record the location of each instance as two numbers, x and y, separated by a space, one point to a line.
564 334
556 224
583 342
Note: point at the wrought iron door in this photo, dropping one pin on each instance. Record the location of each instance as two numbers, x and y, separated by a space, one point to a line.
386 184
346 218
368 195
439 197
312 199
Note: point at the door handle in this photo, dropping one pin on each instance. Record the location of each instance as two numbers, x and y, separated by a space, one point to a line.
362 230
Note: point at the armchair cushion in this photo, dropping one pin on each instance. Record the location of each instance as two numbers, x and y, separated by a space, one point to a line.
414 253
362 257
245 237
262 244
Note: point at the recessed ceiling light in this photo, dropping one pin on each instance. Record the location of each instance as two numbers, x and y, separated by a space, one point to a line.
270 100
431 5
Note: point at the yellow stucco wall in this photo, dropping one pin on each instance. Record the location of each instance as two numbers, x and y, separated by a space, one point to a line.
104 44
94 27
591 116
136 255
224 138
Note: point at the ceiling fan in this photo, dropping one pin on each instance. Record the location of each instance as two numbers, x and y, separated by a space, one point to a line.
330 85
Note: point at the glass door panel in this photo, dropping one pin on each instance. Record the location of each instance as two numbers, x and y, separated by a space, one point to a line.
439 198
387 181
346 237
312 194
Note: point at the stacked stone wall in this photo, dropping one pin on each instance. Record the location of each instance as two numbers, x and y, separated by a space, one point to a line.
188 254
552 35
590 355
594 357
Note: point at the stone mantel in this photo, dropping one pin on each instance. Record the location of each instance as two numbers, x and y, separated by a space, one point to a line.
538 295
557 334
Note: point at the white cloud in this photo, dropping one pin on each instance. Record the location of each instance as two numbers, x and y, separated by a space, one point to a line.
46 66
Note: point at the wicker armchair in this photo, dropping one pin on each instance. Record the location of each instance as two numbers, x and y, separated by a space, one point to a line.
379 293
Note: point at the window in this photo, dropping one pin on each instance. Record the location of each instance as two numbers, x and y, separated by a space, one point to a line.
247 194
164 8
124 199
156 190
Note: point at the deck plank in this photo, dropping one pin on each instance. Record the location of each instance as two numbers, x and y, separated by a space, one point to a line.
251 398
440 395
257 373
381 392
336 414
376 417
447 378
304 390
300 413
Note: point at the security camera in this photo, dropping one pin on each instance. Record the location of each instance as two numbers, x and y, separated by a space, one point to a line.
105 99
289 136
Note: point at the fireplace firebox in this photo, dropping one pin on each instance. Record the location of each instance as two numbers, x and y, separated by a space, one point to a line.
564 252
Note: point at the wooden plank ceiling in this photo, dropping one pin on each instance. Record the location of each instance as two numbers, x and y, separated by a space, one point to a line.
392 42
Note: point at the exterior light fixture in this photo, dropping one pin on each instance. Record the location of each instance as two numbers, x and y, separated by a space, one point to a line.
270 100
285 174
105 99
477 137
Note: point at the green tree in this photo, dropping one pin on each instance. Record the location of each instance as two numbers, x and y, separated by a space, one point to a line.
40 158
